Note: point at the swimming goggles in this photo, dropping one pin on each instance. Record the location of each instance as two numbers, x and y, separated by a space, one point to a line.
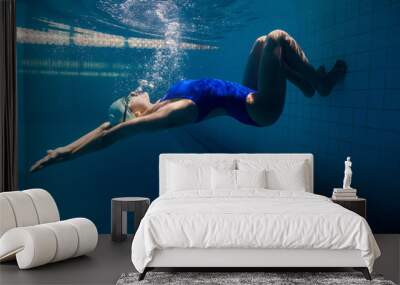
126 103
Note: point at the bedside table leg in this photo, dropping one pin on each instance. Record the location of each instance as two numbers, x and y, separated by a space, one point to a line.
118 218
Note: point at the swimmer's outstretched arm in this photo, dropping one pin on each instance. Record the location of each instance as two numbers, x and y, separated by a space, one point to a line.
172 115
66 152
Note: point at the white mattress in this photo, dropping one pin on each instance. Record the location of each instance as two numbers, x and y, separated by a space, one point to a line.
250 219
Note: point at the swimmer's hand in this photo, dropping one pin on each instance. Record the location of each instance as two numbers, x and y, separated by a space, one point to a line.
92 141
53 155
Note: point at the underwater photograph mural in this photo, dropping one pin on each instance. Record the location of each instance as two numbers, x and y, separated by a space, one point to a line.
105 86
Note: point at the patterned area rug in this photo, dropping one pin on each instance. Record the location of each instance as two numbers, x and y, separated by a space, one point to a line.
244 278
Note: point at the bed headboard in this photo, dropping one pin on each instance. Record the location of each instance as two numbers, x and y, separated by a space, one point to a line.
170 157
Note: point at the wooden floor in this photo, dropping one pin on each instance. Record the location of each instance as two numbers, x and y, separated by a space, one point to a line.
110 260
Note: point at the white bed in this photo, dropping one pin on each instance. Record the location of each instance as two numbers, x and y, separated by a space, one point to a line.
248 227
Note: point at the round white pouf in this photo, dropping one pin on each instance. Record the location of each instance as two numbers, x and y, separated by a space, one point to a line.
33 246
30 230
87 234
45 205
52 242
23 208
67 240
7 221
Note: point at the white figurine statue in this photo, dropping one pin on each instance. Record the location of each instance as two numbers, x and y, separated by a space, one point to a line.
348 173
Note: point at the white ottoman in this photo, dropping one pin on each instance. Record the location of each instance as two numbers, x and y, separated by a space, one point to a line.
31 232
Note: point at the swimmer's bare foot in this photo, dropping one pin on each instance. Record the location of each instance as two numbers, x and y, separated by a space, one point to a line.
330 79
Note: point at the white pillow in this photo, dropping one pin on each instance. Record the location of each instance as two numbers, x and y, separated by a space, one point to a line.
226 179
193 175
292 179
251 178
282 174
188 177
223 179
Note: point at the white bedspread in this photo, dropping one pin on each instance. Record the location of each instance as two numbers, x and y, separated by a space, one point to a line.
250 219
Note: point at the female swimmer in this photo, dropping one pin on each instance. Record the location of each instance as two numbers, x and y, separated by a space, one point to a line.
274 59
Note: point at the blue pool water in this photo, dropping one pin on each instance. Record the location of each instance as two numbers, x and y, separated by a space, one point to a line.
76 57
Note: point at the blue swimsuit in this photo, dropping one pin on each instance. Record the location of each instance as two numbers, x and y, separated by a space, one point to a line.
210 94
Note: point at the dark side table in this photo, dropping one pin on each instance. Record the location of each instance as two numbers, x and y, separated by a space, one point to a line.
119 208
357 205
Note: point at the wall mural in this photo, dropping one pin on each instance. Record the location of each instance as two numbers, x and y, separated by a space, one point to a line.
106 86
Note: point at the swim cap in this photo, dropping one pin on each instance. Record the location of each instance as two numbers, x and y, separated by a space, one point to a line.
119 111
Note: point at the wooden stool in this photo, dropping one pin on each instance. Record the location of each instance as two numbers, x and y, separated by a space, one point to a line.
119 208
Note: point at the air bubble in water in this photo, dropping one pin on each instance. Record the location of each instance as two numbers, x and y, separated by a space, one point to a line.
164 67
